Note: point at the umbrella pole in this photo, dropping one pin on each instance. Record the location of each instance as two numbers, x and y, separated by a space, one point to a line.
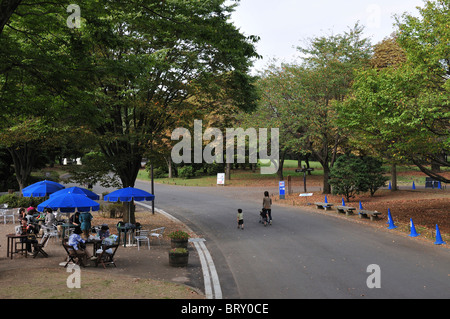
129 211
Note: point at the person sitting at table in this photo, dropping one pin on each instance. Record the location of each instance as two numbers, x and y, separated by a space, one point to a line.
50 218
22 213
75 219
78 245
29 216
103 232
28 230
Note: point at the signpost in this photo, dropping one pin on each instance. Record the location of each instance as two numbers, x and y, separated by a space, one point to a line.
221 179
304 170
282 189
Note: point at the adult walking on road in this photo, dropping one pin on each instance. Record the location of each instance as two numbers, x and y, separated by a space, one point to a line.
267 205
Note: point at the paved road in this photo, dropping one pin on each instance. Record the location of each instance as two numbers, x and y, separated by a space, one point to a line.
303 254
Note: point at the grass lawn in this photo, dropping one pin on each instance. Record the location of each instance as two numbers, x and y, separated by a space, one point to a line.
406 175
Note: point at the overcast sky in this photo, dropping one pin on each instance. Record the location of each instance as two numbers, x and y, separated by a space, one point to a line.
284 25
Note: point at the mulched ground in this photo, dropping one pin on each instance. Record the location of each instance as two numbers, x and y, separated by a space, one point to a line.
426 207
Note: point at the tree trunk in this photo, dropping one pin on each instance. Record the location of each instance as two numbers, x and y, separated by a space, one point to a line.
280 166
169 166
7 9
394 177
326 177
129 214
23 160
228 171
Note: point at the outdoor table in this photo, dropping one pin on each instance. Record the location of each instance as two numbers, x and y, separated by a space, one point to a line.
96 243
125 230
10 248
67 225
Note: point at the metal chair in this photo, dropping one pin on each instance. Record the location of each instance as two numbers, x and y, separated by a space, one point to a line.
6 213
50 231
142 236
158 233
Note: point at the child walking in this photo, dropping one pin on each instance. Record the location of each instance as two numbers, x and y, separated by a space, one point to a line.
240 219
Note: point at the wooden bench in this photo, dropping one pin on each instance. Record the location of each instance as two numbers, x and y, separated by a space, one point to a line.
373 215
345 210
323 205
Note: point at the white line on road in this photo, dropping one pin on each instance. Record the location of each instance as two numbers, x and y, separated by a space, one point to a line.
211 279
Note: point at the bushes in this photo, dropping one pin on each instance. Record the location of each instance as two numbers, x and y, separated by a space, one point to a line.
16 201
186 172
112 210
352 175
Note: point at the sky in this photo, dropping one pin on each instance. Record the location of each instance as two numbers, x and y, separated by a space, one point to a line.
284 25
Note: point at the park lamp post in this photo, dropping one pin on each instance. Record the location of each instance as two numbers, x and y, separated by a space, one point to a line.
304 170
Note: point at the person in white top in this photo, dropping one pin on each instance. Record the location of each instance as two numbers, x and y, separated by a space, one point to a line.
240 219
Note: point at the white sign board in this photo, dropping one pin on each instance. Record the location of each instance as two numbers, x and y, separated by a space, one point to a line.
220 178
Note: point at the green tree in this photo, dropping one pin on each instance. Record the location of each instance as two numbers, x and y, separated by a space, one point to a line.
300 98
352 175
345 176
149 59
373 175
40 84
401 111
425 40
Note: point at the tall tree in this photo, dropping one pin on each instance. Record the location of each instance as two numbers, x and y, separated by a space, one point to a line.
323 80
37 84
402 111
426 42
150 57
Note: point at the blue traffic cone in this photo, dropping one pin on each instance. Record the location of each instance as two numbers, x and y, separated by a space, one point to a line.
413 229
360 205
391 221
414 186
389 216
390 187
326 200
343 202
439 240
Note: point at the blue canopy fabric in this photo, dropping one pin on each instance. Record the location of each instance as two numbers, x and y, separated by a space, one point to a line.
41 189
77 190
69 203
128 194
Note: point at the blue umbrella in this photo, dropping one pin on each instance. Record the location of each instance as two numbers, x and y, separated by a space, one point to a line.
77 190
129 194
69 203
41 189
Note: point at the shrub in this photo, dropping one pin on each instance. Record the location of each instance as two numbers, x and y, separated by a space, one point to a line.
352 175
214 168
373 178
16 201
186 172
180 251
179 234
157 173
113 210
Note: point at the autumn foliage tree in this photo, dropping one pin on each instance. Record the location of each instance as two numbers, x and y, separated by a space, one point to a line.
399 109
